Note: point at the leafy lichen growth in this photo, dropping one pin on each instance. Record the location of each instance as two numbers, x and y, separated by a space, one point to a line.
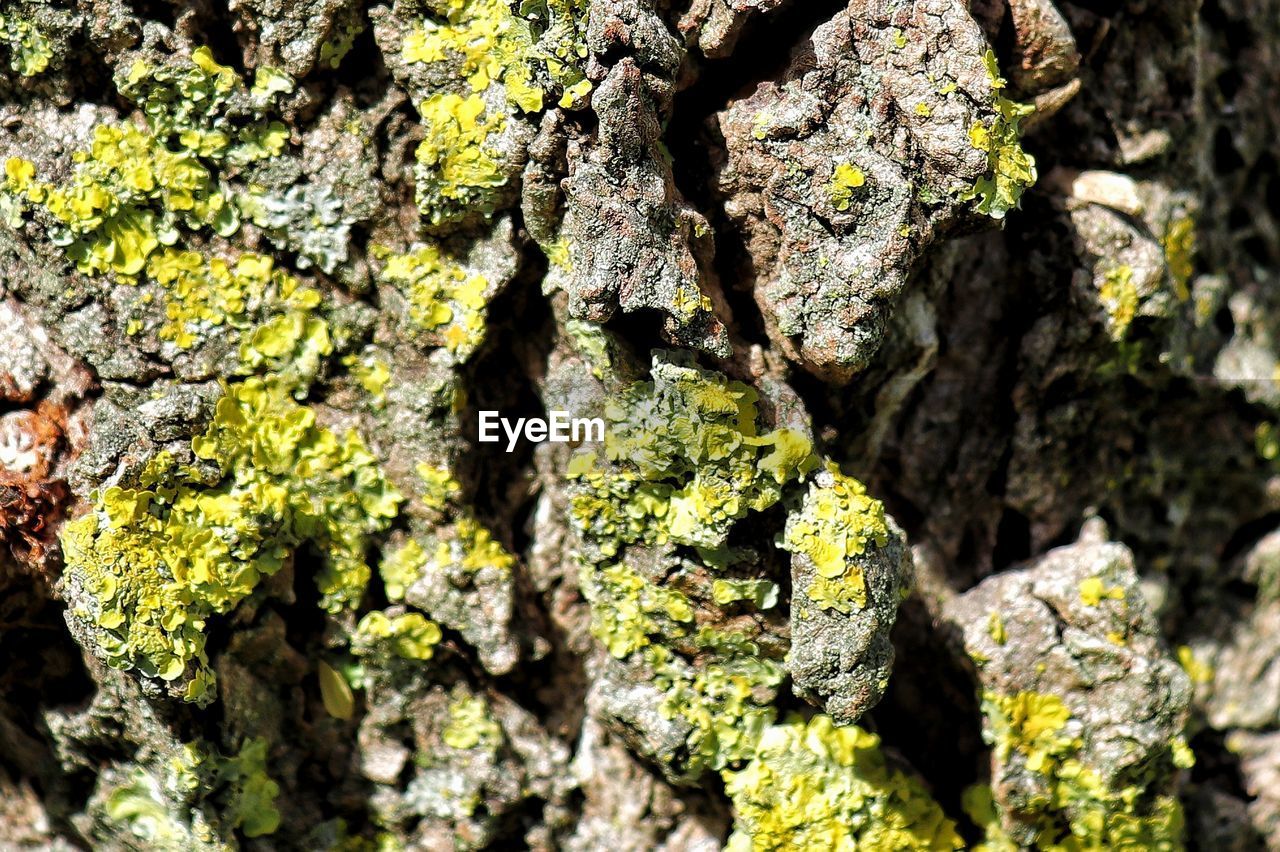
200 106
470 724
456 549
813 785
1119 296
558 30
844 180
204 296
1094 591
837 522
684 461
29 50
631 610
762 593
1079 810
458 165
153 564
445 298
251 798
1179 243
133 192
540 50
127 196
167 808
409 636
140 809
1010 169
483 44
306 218
723 699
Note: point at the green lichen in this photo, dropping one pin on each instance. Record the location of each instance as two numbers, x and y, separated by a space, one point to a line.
558 30
290 346
457 549
140 809
470 725
541 50
1010 169
591 342
133 190
1093 591
813 785
1179 243
308 219
151 565
844 180
169 807
1119 295
683 461
1198 670
1077 809
371 372
445 298
127 196
725 699
628 610
206 297
409 636
336 47
459 166
251 794
29 50
762 593
482 44
204 108
996 628
837 522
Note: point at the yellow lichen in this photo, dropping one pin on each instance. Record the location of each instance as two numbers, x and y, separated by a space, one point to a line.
1010 169
837 523
1078 810
151 565
844 180
1119 296
813 785
445 298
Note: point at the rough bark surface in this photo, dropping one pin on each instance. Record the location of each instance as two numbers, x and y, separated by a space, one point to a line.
936 347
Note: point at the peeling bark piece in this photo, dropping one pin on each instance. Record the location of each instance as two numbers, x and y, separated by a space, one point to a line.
627 808
841 655
1044 51
22 367
634 242
476 758
1245 669
299 35
843 174
1075 678
1260 768
714 25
